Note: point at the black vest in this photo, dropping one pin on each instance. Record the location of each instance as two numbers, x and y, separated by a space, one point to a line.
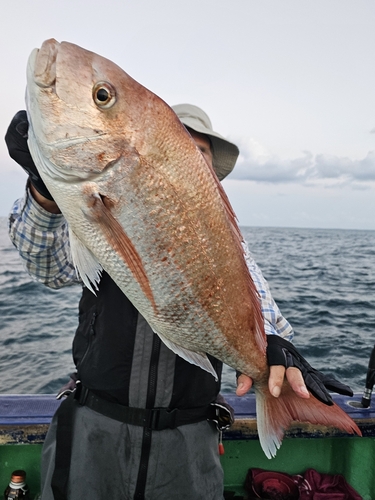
117 354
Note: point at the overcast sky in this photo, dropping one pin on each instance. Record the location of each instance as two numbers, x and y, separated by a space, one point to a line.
292 82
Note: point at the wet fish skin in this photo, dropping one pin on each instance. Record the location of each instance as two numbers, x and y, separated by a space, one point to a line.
142 204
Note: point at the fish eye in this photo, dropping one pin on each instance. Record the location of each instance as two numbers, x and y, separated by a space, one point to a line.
104 95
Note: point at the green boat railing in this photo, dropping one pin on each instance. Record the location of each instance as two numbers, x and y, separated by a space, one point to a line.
24 421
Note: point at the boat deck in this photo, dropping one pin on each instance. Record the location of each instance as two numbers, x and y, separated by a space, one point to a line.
24 420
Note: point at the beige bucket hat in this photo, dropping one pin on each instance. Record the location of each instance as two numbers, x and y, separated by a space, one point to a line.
225 153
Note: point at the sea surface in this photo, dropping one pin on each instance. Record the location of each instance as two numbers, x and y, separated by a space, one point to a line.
322 279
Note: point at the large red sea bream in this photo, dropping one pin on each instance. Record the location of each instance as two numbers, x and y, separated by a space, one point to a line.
142 204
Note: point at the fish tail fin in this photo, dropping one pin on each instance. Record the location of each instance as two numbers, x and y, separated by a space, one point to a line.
275 415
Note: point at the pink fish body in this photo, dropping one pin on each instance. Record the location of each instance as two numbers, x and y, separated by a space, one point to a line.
143 205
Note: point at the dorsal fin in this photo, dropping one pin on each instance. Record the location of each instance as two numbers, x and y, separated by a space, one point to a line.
260 334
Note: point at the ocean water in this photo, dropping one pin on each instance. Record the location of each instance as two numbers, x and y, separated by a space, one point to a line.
322 279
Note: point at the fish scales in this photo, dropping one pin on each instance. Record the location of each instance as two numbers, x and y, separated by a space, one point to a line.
185 292
143 205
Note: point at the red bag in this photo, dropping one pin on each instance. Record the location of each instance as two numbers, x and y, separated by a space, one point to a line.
271 485
317 486
313 485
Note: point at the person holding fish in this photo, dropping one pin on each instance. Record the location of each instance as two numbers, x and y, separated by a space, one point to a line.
141 419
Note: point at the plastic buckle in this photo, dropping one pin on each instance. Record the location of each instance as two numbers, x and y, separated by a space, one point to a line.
222 417
161 418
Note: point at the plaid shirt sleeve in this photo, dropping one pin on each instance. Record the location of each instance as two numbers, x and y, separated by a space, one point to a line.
274 321
42 240
43 243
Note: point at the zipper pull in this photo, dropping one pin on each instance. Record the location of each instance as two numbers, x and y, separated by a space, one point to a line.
221 446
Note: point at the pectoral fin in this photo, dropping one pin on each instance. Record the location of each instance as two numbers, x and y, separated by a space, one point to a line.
196 358
85 262
99 209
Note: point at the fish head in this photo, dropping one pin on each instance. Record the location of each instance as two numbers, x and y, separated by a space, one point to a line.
87 114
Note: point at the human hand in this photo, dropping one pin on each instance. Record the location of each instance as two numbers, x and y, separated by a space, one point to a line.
16 141
286 362
275 382
283 356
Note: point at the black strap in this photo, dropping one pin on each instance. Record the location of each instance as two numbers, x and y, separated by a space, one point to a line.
140 487
156 419
64 439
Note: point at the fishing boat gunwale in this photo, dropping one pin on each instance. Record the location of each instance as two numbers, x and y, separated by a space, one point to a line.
24 420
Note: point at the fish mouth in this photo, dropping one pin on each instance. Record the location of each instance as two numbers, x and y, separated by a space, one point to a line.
42 73
43 63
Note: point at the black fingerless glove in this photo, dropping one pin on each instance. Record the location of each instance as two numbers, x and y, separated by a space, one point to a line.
16 141
282 352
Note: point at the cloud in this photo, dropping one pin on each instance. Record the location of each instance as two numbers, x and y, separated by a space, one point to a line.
334 167
256 164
